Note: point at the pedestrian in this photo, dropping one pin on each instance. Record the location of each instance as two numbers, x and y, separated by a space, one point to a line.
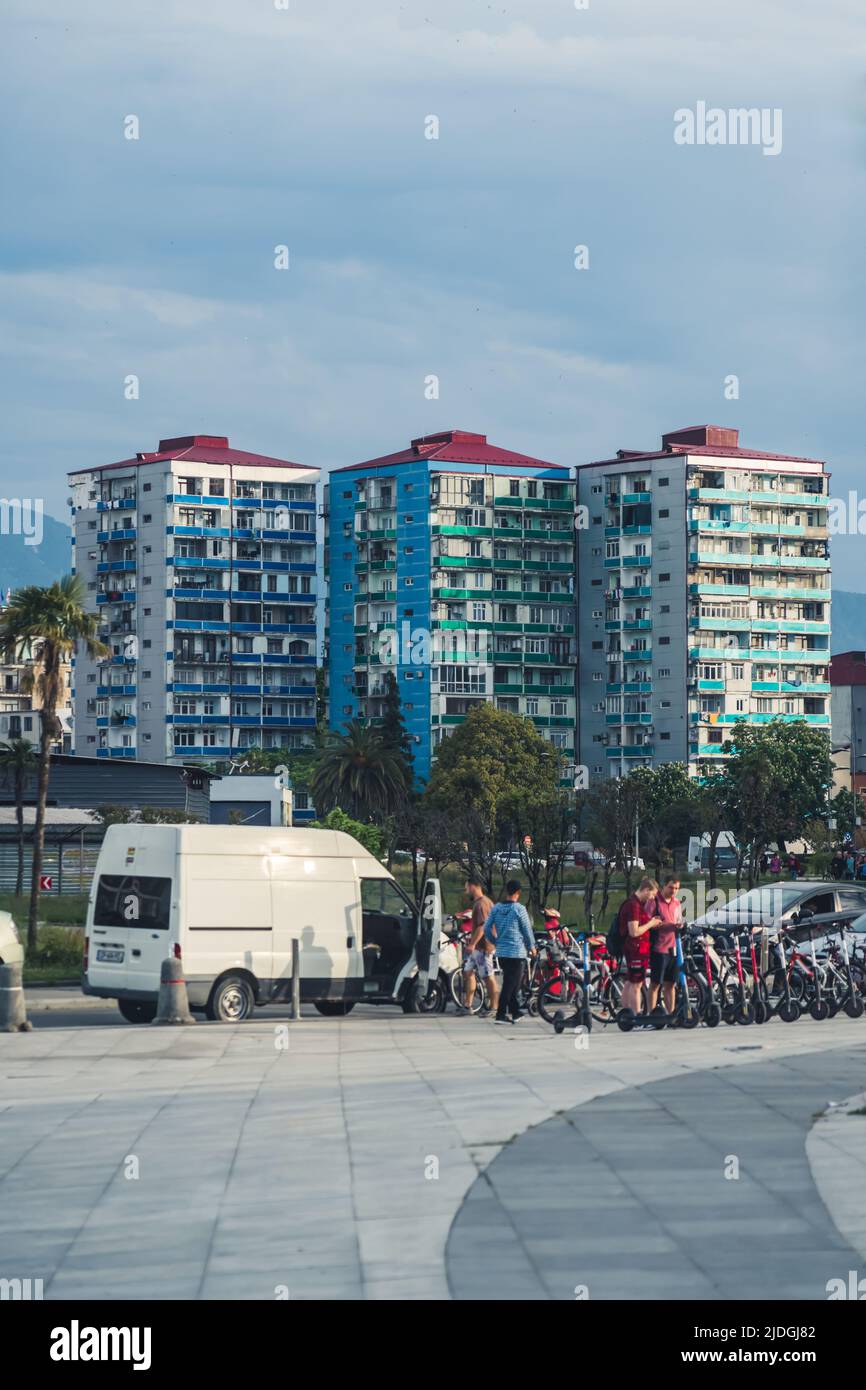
663 945
509 929
849 865
637 917
479 963
764 864
775 865
792 866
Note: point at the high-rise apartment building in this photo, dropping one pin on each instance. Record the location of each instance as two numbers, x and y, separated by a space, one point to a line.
704 598
201 562
451 563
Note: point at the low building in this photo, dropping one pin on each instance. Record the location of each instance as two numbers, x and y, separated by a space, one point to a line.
848 709
250 799
20 703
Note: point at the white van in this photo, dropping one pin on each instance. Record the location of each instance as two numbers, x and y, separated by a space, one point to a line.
228 900
698 858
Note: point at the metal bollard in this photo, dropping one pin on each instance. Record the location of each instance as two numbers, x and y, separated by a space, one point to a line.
296 978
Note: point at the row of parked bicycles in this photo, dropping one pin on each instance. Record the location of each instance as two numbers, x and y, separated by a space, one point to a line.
723 975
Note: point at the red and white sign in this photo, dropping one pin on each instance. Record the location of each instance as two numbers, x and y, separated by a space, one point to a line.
46 883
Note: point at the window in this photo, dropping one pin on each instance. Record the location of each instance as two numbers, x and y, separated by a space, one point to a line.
596 488
663 672
514 488
737 671
129 902
532 707
664 641
410 550
380 896
663 512
597 675
663 482
664 704
597 646
664 737
664 578
665 608
146 487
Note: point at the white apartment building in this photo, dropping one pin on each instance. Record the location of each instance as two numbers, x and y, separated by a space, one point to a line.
704 598
201 562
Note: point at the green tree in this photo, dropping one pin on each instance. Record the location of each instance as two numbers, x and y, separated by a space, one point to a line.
393 729
358 771
370 836
778 777
846 807
614 808
18 762
669 811
49 622
487 778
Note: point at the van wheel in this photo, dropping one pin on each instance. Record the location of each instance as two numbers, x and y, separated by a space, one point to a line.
334 1008
135 1012
232 1000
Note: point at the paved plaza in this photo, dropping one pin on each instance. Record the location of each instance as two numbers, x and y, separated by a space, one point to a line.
382 1156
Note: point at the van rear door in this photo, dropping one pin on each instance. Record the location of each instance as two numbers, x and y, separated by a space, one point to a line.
129 936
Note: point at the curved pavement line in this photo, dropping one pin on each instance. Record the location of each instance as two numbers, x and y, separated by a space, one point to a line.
626 1196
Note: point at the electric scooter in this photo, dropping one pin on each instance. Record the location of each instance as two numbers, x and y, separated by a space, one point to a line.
712 1009
819 1007
582 1017
684 1014
853 1005
759 1002
740 1010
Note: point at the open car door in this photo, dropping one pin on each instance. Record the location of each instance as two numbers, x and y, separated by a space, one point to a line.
429 931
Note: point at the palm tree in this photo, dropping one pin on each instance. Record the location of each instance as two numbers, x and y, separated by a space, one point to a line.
17 761
47 623
358 772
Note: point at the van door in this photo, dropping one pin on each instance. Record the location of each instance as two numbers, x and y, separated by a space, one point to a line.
429 932
389 930
129 937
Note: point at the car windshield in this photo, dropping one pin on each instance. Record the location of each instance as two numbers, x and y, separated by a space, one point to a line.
768 902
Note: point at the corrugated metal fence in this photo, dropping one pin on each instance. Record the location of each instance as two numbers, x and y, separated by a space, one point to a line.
63 864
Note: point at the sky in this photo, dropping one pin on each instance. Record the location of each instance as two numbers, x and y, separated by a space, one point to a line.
412 257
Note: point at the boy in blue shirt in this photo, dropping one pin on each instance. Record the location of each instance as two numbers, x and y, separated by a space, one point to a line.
510 930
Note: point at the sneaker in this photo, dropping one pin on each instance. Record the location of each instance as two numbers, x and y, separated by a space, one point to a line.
462 1011
516 1018
497 1019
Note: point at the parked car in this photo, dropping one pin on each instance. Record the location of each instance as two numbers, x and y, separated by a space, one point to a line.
785 903
11 950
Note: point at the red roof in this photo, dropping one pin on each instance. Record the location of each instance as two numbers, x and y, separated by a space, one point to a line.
453 446
718 441
197 448
848 668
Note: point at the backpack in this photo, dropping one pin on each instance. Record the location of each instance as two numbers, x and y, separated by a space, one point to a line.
614 942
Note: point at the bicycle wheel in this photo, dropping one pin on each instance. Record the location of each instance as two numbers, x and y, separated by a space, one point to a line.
605 995
458 992
559 994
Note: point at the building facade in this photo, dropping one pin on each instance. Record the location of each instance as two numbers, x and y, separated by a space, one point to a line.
848 707
20 702
201 562
704 594
451 563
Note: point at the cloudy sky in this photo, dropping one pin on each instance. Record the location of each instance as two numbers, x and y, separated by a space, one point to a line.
409 257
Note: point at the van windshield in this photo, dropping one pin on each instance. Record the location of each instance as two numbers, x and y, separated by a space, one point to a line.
382 895
130 901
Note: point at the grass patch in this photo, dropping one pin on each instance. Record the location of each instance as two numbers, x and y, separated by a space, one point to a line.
65 910
58 956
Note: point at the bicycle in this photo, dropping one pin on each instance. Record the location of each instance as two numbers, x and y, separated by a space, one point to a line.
458 982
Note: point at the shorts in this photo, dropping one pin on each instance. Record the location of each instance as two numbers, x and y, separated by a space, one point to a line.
636 959
663 967
479 963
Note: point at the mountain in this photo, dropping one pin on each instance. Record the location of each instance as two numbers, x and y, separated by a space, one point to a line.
848 619
41 564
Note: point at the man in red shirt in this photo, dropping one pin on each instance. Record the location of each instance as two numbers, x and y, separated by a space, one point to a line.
637 918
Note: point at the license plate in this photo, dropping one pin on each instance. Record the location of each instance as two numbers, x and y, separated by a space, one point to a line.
105 954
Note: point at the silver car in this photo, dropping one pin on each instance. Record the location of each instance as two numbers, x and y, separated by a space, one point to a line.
783 903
